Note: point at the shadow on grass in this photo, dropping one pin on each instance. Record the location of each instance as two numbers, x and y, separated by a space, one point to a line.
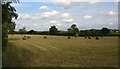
10 56
16 56
5 47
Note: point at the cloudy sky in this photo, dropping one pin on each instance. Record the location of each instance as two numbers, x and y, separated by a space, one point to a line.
86 15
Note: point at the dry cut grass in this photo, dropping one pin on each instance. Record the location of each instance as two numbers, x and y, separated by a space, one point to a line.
58 51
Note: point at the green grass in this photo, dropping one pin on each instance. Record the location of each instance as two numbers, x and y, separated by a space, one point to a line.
58 51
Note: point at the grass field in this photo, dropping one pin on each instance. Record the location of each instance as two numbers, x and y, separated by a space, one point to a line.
58 51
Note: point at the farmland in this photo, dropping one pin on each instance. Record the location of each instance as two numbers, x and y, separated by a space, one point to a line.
59 51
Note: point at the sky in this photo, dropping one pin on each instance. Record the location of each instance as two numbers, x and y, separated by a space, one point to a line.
40 16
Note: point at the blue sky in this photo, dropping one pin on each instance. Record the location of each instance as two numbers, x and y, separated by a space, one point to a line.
86 15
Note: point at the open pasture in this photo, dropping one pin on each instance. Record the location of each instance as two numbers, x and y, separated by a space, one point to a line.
59 51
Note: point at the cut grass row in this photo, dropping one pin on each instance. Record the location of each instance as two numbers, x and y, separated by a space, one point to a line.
59 51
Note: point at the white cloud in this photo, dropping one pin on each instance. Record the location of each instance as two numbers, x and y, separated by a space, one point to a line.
54 12
79 0
21 25
65 15
69 0
74 23
18 5
87 17
109 13
27 16
111 23
65 4
43 8
112 13
49 14
68 20
53 21
24 16
92 2
35 24
59 24
35 17
38 16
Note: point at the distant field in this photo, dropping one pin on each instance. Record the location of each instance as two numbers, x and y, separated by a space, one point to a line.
58 51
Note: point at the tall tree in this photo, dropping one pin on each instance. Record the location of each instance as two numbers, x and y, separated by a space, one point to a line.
8 13
31 32
105 30
53 30
73 30
22 31
14 1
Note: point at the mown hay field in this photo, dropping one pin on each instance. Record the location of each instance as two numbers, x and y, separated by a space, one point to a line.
59 51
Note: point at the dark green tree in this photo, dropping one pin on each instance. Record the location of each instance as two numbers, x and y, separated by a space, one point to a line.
8 13
14 1
22 31
73 30
53 30
31 32
105 30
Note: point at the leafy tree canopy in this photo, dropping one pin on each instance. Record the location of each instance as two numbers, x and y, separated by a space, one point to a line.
105 30
73 29
8 13
53 30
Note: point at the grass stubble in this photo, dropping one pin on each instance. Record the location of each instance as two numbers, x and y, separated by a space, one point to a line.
58 51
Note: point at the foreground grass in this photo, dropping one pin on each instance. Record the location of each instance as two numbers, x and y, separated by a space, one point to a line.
59 51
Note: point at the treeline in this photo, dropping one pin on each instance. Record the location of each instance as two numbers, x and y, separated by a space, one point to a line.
66 33
72 31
